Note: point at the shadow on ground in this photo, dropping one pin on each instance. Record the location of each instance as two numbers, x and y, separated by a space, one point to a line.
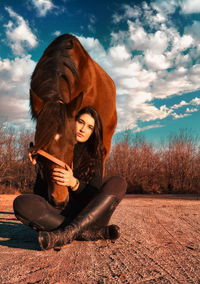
166 196
16 235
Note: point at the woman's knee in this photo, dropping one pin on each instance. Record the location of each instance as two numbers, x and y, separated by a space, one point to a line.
20 206
115 185
29 205
18 203
36 212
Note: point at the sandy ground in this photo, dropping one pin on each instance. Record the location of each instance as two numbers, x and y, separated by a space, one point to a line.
159 243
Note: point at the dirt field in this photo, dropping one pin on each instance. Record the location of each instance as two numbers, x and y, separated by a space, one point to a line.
159 243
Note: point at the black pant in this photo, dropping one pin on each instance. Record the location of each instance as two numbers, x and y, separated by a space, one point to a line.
33 210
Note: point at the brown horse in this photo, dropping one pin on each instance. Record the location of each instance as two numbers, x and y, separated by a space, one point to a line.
66 79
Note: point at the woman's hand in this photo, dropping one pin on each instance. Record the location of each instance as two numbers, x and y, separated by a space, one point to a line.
32 158
64 177
32 154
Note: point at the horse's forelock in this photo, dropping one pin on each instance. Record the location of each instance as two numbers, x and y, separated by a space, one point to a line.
51 121
53 65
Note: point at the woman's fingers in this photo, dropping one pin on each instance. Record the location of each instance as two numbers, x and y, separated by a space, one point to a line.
62 176
57 174
30 156
59 170
62 172
68 168
33 160
61 181
58 178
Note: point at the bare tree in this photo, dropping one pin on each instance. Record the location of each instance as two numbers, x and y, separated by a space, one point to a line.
170 169
179 163
16 172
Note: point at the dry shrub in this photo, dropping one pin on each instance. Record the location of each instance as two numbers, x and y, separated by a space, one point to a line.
180 161
171 169
8 190
16 171
137 162
174 168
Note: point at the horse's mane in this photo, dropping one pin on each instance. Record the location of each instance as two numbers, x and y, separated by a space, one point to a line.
51 67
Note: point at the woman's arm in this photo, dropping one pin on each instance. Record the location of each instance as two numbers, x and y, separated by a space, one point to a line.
67 178
96 180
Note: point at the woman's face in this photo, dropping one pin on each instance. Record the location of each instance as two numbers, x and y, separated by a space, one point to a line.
84 127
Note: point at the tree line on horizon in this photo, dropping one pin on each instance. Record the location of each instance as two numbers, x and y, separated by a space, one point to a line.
172 168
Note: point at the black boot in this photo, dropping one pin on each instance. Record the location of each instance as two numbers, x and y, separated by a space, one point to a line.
110 232
100 231
102 205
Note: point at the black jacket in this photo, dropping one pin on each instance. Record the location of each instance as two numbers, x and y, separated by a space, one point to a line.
86 191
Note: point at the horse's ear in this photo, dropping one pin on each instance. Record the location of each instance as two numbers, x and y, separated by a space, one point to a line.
75 104
36 104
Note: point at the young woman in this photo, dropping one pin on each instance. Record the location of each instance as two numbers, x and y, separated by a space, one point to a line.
91 202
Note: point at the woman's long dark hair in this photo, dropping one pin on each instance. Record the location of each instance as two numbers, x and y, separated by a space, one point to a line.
93 150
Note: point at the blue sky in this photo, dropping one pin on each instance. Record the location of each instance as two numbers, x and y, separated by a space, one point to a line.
151 49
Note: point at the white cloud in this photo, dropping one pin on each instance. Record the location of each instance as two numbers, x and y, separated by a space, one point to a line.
165 7
141 78
156 61
128 13
4 64
193 30
92 21
161 60
96 51
177 116
148 112
17 70
43 6
14 89
192 109
139 129
181 104
195 101
190 7
138 35
57 33
119 52
19 33
145 63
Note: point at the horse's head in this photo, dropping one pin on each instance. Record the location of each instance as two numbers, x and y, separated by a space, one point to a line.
55 134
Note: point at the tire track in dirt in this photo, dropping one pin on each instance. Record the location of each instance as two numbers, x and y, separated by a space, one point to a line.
144 258
152 268
152 239
175 245
119 269
181 267
180 232
159 243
